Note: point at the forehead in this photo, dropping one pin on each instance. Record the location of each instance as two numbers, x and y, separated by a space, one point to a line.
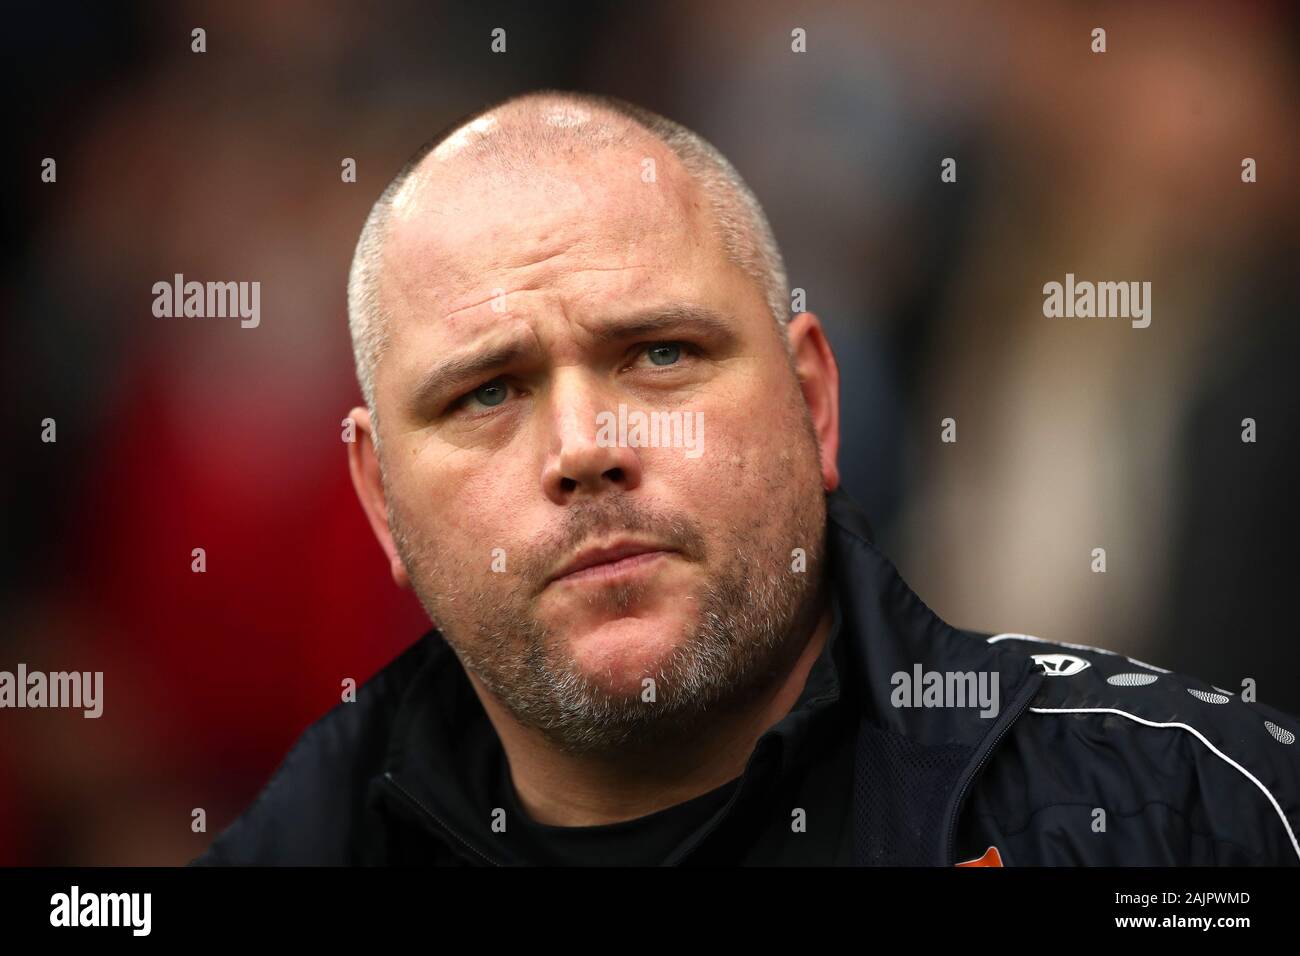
578 222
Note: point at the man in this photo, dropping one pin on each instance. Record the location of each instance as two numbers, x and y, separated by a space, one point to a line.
603 454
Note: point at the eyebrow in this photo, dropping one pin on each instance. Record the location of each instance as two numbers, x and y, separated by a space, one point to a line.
659 321
449 376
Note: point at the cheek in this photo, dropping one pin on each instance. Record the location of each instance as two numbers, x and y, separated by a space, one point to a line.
749 441
466 504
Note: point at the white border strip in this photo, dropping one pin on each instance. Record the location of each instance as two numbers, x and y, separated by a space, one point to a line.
1199 736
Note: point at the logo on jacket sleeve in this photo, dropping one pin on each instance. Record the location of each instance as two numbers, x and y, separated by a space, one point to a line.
991 857
1061 665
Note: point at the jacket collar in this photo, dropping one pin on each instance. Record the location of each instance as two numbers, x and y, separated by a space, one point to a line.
914 765
890 630
441 770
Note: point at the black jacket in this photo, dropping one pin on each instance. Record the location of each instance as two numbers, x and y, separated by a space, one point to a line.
1089 758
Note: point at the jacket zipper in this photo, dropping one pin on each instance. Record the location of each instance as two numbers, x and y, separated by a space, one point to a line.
1022 705
419 805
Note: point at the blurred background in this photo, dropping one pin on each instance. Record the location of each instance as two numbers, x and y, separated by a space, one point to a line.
1072 434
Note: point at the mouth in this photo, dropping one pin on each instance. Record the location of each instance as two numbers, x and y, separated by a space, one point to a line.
617 560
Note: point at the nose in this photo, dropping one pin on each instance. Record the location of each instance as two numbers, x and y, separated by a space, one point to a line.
585 456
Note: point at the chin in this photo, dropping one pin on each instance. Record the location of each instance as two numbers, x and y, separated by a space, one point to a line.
621 653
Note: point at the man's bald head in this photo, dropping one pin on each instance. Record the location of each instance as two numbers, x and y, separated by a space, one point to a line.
524 132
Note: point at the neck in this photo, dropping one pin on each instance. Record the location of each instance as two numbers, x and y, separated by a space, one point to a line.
563 789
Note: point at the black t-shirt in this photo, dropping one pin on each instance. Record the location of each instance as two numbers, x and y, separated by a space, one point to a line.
644 841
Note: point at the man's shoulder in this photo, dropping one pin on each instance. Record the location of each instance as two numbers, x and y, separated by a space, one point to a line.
1174 770
306 814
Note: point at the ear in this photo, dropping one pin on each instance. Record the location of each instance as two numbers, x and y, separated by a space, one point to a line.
819 380
363 464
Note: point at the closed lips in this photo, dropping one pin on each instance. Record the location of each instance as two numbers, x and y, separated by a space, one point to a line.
606 556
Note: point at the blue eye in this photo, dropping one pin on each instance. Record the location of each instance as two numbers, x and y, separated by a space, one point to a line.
665 353
490 393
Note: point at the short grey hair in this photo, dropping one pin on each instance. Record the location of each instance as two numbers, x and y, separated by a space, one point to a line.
742 225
